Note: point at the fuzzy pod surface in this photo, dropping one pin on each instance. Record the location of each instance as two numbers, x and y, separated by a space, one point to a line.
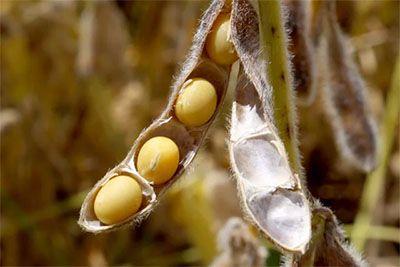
302 50
328 246
270 190
188 139
344 96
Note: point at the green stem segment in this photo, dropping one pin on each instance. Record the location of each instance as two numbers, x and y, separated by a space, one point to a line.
273 42
383 233
376 180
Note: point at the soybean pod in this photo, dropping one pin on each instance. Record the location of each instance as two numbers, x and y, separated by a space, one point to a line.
163 151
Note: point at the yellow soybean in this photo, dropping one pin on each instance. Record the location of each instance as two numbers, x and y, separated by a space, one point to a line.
218 44
158 159
118 199
197 102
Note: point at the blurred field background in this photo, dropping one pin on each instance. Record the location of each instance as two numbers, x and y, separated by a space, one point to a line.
80 79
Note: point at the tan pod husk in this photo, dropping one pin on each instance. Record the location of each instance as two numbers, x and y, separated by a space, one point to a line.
271 193
344 96
315 9
238 246
302 51
328 246
88 220
188 139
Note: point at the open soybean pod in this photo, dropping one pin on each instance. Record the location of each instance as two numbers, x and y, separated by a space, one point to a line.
301 49
344 97
270 190
176 140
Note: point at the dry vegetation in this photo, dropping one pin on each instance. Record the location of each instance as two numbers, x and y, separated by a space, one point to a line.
80 80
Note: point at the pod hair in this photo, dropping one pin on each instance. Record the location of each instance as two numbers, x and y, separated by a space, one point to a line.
188 139
270 192
301 49
344 97
328 246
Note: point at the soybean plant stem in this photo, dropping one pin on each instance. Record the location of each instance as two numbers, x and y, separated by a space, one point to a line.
274 42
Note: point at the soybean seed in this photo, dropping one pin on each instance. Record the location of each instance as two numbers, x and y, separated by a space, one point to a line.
197 102
118 199
218 44
158 159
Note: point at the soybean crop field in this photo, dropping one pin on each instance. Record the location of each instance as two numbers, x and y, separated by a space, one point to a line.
220 133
